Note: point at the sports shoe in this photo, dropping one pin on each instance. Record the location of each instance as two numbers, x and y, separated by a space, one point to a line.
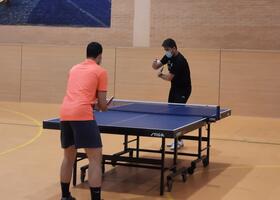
172 143
180 144
68 198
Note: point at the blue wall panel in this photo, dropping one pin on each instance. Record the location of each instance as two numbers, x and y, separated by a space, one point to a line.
85 13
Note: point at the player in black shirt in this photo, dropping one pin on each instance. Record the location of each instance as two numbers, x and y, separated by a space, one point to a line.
179 75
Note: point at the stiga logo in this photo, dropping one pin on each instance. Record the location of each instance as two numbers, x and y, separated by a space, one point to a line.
157 134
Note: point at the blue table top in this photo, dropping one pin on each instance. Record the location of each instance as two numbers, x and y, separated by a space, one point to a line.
161 117
168 109
144 120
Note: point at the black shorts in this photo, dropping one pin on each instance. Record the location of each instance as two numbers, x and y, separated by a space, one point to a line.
82 134
177 95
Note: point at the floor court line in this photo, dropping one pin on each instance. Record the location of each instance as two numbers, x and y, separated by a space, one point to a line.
246 141
237 167
34 138
18 124
169 196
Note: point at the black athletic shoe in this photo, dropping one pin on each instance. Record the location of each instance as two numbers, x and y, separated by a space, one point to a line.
68 198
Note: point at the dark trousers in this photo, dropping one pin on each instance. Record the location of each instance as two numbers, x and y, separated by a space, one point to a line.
177 95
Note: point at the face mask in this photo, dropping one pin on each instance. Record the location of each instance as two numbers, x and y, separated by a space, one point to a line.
168 54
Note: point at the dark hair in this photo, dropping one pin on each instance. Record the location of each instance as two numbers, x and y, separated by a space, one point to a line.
94 49
169 43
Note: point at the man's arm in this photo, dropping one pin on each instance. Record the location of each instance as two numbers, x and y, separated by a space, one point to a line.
102 101
167 77
102 91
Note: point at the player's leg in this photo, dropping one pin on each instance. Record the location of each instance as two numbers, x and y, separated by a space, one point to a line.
95 172
177 95
67 143
66 172
171 100
181 96
171 96
87 136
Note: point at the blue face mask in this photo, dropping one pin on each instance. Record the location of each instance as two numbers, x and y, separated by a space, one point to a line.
168 54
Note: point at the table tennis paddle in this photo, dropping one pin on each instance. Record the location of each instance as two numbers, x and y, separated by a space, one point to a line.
110 101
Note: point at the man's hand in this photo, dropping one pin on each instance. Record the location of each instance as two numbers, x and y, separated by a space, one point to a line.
101 100
156 64
160 74
167 77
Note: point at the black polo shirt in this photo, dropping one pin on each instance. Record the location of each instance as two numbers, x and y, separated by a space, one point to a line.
179 67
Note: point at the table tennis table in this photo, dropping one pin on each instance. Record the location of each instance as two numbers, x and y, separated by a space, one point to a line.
154 119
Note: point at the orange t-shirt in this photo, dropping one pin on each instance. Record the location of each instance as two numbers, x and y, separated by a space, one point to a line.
84 80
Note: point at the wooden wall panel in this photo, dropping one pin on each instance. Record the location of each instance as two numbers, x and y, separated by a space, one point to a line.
204 66
249 79
109 63
250 82
135 77
45 70
10 72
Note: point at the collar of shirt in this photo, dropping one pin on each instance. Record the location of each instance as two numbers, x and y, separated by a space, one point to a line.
90 61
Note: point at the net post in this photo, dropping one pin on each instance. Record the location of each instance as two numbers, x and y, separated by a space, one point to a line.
218 114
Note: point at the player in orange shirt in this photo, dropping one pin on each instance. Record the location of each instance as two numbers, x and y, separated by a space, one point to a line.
87 83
